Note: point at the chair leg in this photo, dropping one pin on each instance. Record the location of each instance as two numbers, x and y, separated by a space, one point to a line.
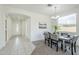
61 45
65 48
57 47
45 41
51 43
72 48
48 42
75 47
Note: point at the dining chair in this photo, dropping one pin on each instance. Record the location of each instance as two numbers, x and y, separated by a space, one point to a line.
47 38
54 40
64 35
75 37
72 43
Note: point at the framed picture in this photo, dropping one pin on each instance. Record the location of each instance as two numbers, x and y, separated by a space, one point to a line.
42 26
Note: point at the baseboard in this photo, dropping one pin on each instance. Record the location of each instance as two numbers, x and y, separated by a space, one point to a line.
37 40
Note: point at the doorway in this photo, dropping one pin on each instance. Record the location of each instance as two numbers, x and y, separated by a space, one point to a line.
17 25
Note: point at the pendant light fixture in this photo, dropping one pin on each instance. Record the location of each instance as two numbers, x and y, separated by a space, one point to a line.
55 14
55 11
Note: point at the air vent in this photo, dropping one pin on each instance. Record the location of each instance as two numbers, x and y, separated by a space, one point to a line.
50 5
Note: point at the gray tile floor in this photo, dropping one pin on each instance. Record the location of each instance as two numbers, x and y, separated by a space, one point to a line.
17 45
42 49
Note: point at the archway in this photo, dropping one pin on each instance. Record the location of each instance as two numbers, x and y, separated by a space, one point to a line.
17 35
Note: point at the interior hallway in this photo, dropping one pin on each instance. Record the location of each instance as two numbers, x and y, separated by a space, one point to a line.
17 32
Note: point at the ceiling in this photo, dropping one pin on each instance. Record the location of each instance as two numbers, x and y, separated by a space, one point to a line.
43 8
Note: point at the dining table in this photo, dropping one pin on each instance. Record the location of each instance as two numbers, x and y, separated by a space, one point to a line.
63 38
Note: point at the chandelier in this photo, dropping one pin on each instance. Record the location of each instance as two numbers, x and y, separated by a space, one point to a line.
55 11
55 14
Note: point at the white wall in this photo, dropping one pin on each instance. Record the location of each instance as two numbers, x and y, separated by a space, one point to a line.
28 28
77 29
14 27
2 30
24 27
9 28
36 33
53 22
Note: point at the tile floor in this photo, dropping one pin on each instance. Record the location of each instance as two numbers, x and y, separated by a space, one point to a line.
17 46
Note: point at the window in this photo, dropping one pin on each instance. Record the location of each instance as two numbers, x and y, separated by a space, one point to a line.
67 23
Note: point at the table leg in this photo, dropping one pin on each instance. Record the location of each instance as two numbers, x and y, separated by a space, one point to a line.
72 48
64 47
75 47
